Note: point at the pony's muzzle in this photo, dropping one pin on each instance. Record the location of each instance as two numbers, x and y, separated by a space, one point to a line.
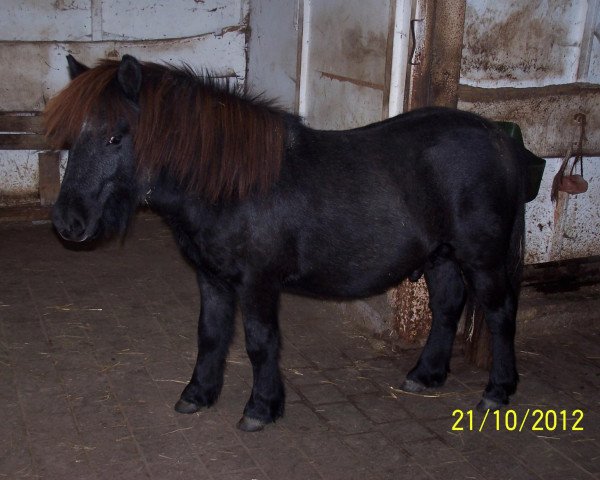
70 223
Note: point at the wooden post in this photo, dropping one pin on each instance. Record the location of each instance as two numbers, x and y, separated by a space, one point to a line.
477 338
445 77
410 300
49 177
434 74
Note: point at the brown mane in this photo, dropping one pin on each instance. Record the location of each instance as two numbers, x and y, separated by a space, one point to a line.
220 144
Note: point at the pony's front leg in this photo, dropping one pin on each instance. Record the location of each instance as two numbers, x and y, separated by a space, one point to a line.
259 305
215 330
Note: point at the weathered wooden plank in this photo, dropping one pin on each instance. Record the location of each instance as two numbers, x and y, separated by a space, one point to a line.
49 177
14 123
562 275
25 213
16 141
546 115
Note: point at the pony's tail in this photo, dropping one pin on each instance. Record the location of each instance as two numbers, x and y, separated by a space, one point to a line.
516 249
516 252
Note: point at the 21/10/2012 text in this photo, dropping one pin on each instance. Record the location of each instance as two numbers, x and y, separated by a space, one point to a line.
537 420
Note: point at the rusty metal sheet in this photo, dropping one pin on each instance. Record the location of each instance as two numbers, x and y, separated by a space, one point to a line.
411 316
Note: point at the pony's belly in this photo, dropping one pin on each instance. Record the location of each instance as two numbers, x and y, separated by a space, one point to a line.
350 283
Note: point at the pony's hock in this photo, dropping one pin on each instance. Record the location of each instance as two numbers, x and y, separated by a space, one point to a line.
260 204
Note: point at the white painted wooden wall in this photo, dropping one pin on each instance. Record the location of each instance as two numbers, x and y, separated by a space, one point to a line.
325 59
525 43
36 36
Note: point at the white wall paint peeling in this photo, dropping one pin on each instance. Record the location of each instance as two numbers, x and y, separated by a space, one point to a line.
140 20
523 43
86 20
273 50
569 228
19 170
35 21
38 70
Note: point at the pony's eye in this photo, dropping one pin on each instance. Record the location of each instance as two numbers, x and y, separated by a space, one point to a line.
114 140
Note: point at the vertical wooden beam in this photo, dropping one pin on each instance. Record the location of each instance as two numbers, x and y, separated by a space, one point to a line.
477 337
443 91
49 177
389 51
420 58
410 301
438 28
447 52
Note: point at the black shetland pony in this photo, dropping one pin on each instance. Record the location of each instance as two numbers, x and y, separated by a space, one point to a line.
260 203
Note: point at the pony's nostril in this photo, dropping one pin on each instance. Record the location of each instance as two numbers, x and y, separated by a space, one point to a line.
77 228
69 224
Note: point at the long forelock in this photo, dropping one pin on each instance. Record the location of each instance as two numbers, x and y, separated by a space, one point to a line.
91 96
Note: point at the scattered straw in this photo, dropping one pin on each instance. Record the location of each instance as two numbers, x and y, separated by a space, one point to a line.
547 438
127 352
69 307
110 367
177 430
430 395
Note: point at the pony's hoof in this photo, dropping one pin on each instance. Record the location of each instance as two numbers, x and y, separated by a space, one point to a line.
248 424
183 406
488 404
412 386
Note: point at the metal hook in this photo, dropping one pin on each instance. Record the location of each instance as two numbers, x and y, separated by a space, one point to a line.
581 119
413 36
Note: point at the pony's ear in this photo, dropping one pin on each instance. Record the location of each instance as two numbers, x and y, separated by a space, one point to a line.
75 68
130 77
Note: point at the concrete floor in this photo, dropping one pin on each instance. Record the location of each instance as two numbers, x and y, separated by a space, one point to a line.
95 347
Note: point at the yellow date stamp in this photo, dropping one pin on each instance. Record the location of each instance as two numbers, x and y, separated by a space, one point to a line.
535 420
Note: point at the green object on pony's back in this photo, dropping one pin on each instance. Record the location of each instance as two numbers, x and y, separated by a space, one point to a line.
535 164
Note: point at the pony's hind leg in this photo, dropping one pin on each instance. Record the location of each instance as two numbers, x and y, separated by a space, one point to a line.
446 300
259 303
498 299
215 330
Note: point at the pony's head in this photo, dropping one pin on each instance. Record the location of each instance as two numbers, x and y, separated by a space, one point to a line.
95 117
127 124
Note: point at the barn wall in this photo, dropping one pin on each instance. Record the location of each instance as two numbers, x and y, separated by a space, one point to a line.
344 73
534 62
273 50
528 61
36 36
